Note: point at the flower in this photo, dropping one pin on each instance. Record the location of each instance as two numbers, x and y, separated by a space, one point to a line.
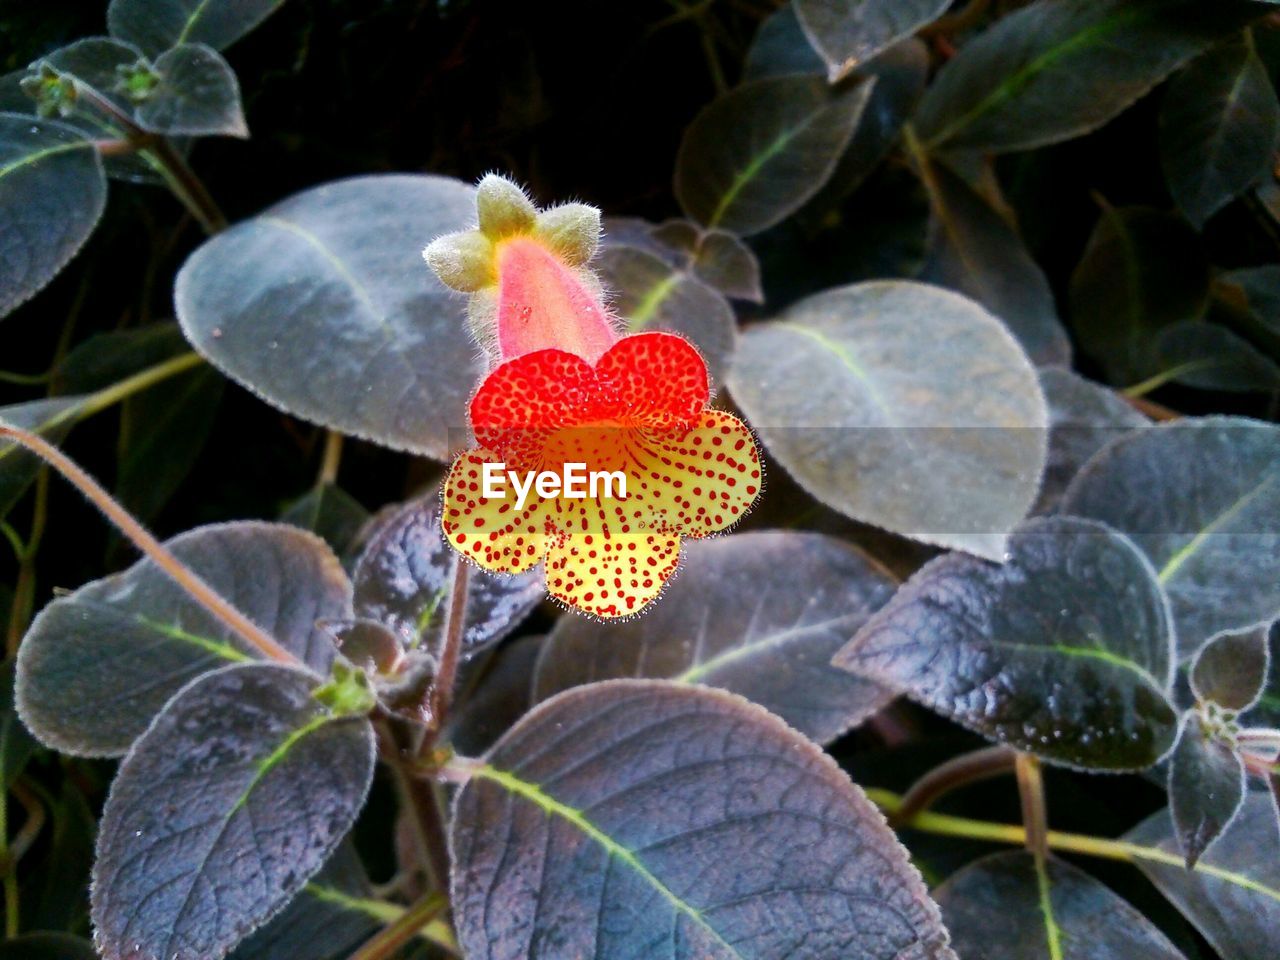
567 389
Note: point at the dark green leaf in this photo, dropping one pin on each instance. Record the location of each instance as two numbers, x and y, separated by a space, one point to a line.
16 744
340 265
233 799
1206 787
758 153
105 358
99 663
496 693
974 250
404 578
1065 651
55 894
1233 896
995 909
323 922
847 33
1143 270
650 294
1260 287
647 819
726 263
1060 68
157 25
1211 357
780 48
197 95
759 614
51 419
52 192
917 392
1231 669
1201 498
1083 418
332 514
47 946
1218 128
162 434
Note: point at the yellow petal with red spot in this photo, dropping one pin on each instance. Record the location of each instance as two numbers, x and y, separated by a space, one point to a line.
492 532
610 576
695 485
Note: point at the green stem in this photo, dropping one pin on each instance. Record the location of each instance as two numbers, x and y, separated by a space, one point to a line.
941 824
404 928
1160 379
332 459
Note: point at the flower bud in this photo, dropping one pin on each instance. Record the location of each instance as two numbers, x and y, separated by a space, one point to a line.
503 208
572 230
463 261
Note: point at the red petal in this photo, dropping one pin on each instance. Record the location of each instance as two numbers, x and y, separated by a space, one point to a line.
660 378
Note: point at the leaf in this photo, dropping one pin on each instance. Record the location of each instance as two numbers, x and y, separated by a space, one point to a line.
16 745
404 580
102 359
846 33
52 194
724 262
321 923
754 156
1207 786
340 265
197 95
162 434
94 62
1083 418
1087 920
99 663
1065 651
332 514
1260 287
1218 126
157 25
759 614
640 818
1231 669
973 250
649 294
1266 712
1233 896
51 419
235 796
1200 497
496 692
1061 68
47 946
780 47
1211 357
55 891
917 392
1142 270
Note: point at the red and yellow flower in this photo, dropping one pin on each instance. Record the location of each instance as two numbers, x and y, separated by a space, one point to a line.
566 388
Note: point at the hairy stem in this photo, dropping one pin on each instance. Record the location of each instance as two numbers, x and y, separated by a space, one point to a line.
159 554
451 650
418 797
404 928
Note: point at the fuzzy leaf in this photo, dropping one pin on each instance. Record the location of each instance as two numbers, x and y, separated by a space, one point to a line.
759 614
1065 651
1060 68
52 193
726 263
1218 126
1206 787
99 663
233 799
1237 909
157 25
1201 497
197 95
1211 357
1231 669
1089 921
404 576
755 155
917 392
496 692
639 818
51 419
1083 418
332 514
973 250
1143 270
650 294
340 265
847 33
